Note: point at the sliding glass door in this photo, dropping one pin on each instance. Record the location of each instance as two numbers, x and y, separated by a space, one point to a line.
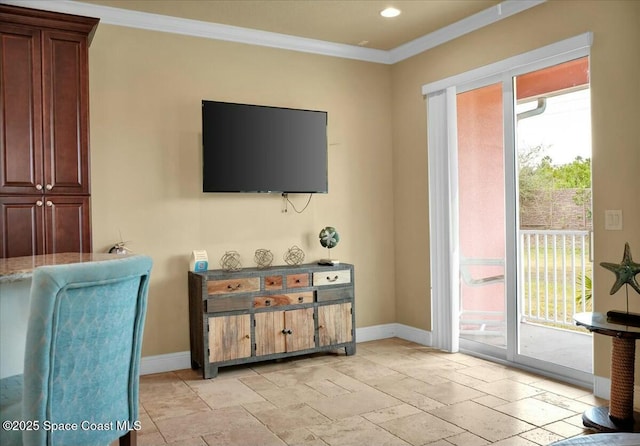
553 146
505 281
481 219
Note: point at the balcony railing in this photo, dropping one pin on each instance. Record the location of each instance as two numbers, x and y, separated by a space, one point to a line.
556 272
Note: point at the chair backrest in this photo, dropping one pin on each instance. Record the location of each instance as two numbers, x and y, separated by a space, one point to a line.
83 347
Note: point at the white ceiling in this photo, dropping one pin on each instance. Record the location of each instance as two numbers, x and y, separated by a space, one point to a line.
339 21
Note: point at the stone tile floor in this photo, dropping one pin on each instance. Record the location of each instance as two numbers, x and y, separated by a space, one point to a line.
392 392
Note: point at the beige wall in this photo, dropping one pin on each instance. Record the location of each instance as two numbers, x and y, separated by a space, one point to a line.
146 89
615 64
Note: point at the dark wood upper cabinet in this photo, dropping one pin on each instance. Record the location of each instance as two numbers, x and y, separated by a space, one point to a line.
44 145
21 148
44 131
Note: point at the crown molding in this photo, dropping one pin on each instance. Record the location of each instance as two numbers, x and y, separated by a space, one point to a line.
460 28
207 30
216 31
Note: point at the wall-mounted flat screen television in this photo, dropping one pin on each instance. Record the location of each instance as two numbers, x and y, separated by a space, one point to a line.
254 148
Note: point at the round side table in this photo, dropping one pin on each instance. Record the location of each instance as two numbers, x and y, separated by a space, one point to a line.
619 415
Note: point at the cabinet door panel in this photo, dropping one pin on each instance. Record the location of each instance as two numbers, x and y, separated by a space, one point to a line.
65 113
22 227
268 330
335 324
67 223
300 322
229 337
20 112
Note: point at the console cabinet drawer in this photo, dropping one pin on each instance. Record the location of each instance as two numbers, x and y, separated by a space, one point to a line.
227 303
275 300
239 285
332 277
335 294
297 280
273 282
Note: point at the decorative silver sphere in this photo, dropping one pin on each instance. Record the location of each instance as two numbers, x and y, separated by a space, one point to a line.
294 256
230 261
263 258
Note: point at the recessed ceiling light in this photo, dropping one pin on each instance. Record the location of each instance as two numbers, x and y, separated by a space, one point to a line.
390 12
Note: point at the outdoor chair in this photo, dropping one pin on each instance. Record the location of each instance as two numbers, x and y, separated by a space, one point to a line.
479 319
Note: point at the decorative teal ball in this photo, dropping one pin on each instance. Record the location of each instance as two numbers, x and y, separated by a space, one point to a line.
329 237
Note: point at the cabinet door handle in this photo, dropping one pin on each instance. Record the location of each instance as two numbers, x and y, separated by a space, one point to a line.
247 337
286 331
234 288
49 203
329 279
320 326
49 187
38 186
39 203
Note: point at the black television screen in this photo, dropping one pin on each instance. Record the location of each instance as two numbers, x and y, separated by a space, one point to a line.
253 148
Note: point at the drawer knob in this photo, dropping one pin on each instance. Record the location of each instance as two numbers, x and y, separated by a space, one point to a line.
300 299
287 331
234 288
297 280
329 279
267 303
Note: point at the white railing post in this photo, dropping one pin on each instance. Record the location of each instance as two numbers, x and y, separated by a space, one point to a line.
555 281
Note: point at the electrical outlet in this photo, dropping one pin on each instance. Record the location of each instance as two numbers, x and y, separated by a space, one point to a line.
613 220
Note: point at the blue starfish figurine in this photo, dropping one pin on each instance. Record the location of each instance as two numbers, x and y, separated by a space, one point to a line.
625 271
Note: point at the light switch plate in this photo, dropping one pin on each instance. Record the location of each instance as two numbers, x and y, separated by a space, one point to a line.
613 220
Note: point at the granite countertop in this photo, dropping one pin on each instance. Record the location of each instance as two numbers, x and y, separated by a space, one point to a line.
18 268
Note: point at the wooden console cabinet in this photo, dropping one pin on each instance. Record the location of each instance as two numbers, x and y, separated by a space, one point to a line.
259 314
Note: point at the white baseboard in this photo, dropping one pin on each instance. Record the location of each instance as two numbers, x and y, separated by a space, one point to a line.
182 360
601 387
165 363
401 331
375 332
422 337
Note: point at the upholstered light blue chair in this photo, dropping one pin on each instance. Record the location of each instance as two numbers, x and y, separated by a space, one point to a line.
82 356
